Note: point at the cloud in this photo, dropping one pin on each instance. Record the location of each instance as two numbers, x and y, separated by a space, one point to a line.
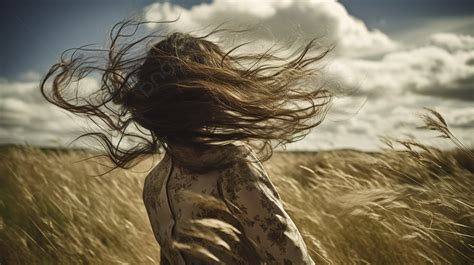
26 117
435 25
281 19
437 74
394 117
443 67
453 42
392 80
367 60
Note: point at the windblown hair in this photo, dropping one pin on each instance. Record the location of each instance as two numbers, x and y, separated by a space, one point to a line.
186 90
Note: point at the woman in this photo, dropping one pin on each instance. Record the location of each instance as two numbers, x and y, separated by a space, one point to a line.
215 114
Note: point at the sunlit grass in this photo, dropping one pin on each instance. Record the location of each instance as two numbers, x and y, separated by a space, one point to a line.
408 206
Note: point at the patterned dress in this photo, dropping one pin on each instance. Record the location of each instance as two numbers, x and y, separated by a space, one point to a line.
238 205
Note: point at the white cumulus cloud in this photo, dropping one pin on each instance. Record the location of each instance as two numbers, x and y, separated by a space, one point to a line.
281 19
26 117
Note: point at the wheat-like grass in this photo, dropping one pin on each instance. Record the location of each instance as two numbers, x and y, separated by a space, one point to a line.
412 205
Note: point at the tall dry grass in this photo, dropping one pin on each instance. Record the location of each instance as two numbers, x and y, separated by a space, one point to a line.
408 206
54 211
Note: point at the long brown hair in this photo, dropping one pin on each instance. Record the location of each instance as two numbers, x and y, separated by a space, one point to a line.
184 89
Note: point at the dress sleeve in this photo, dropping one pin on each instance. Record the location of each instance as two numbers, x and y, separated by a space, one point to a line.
254 201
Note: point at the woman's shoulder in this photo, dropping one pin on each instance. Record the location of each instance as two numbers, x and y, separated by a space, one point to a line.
247 173
156 174
244 162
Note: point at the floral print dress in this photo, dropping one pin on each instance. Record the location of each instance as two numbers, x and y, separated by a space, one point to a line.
261 231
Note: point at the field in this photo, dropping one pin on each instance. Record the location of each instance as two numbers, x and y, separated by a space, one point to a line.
409 206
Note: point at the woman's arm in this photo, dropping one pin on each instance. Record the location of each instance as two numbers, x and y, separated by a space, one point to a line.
255 202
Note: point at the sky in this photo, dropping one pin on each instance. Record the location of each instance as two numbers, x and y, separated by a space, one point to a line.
397 57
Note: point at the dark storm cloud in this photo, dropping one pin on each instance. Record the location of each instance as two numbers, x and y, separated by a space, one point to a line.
439 68
460 89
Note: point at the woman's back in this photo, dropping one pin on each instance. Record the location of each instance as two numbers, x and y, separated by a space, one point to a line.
169 210
249 202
